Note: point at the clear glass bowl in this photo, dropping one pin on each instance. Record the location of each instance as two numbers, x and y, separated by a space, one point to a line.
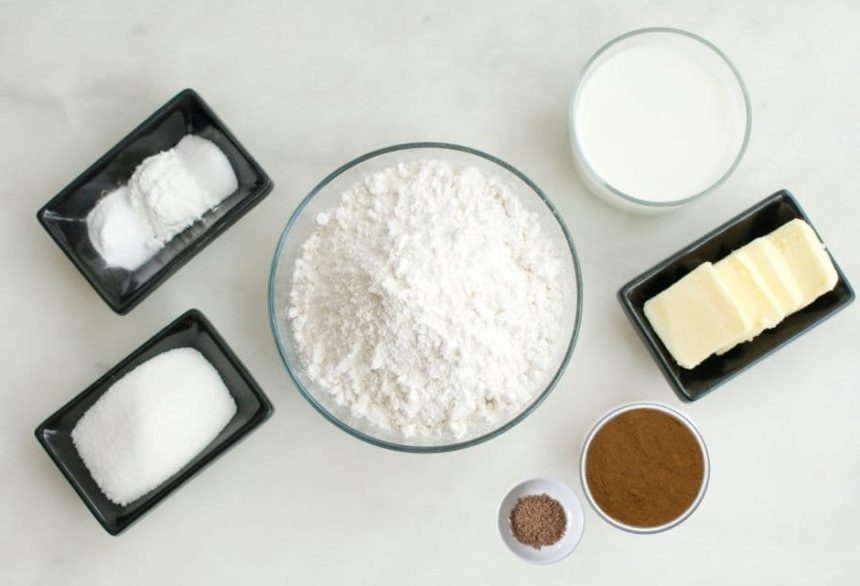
683 419
682 41
326 195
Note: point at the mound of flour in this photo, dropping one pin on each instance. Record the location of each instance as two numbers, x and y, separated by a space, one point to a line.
429 301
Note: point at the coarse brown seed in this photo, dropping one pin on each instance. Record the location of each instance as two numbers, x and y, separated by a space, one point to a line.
538 520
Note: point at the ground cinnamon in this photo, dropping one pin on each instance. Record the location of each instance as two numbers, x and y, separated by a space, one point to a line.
538 520
644 467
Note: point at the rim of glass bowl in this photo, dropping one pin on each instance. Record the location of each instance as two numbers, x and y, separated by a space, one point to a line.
441 447
574 140
683 419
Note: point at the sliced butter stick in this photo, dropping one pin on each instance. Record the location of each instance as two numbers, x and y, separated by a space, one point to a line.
809 265
755 298
697 316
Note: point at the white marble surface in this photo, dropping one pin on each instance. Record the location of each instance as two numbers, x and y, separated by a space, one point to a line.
309 85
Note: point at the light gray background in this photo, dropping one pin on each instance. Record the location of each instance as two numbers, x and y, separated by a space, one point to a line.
309 85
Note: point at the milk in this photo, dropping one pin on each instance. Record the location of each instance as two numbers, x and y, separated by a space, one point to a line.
660 117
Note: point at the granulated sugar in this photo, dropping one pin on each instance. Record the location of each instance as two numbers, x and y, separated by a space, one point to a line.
429 301
152 422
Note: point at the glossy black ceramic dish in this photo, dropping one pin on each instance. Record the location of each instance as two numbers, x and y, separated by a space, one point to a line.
64 217
193 330
759 220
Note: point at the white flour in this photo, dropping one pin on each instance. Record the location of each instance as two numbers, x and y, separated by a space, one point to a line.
429 302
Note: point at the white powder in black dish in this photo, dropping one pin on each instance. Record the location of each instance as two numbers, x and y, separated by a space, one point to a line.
152 422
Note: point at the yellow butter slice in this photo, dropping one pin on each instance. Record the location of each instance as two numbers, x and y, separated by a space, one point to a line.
809 265
774 271
697 316
755 298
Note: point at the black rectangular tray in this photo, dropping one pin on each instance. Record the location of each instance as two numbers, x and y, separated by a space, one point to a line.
759 220
193 330
65 215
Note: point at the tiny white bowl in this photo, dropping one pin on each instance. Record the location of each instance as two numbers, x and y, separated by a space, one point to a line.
548 554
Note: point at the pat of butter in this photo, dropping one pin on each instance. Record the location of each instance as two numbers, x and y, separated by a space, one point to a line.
808 263
775 272
755 298
697 316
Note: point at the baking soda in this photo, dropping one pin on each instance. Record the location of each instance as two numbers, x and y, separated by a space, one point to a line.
167 193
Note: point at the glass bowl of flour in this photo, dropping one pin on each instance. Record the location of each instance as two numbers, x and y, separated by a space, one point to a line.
425 297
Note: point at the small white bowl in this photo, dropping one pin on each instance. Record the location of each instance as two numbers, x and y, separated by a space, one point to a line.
549 554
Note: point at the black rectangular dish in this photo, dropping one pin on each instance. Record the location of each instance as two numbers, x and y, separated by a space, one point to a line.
193 330
759 220
64 216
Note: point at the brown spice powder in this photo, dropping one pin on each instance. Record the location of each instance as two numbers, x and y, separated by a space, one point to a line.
538 520
644 468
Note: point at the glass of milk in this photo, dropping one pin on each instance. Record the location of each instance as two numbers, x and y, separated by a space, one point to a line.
660 118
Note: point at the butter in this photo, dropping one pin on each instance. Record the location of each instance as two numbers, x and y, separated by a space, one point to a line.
718 306
774 271
755 298
808 263
697 316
